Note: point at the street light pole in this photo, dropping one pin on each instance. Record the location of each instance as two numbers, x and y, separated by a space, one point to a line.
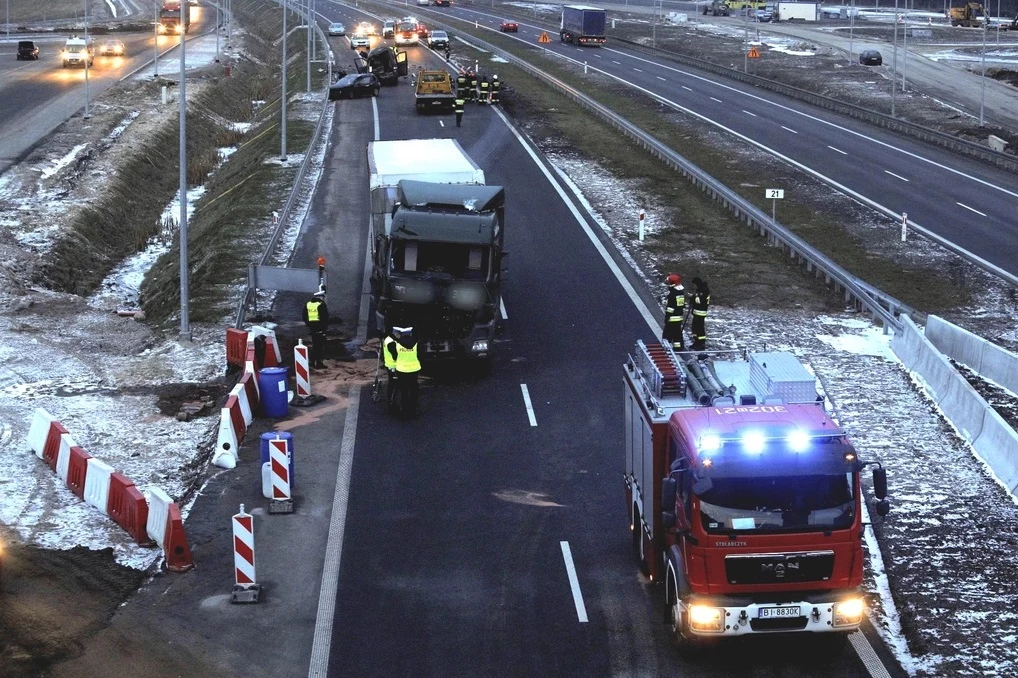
894 60
7 21
155 42
904 47
307 24
218 24
87 55
982 88
851 33
282 100
185 310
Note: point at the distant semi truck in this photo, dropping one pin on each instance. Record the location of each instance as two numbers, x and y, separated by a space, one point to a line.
583 25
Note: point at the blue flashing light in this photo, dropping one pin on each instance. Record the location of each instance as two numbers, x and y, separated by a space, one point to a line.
753 442
710 443
798 440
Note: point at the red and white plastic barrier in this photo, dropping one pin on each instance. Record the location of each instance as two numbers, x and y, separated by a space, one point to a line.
273 357
240 393
226 453
112 493
166 527
301 368
250 383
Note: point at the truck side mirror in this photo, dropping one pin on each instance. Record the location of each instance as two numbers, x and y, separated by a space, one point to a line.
667 519
883 507
880 482
668 486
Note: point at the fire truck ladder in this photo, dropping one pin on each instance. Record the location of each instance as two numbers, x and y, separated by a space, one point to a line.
661 371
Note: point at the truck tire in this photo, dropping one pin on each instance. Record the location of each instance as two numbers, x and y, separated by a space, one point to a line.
374 92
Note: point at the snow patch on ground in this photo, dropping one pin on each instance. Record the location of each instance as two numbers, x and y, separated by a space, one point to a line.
62 162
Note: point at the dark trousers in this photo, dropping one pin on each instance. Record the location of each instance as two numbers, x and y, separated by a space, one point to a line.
699 332
406 384
317 347
674 336
459 118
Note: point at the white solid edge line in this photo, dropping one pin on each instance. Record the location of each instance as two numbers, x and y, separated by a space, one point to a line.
574 583
501 307
789 129
322 645
530 406
868 656
837 150
651 321
896 176
970 209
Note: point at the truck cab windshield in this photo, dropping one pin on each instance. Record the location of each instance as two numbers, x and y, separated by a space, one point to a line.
790 503
441 261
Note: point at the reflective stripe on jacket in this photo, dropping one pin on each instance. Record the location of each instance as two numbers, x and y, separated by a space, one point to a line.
675 307
700 304
459 105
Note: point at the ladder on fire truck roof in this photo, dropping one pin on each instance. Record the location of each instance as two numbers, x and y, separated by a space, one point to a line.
660 370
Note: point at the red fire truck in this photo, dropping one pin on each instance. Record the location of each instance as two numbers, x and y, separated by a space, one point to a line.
744 496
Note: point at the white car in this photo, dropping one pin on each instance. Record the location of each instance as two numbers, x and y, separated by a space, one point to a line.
423 3
360 41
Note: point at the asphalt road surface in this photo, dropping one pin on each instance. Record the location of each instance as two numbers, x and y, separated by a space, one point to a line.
962 200
37 96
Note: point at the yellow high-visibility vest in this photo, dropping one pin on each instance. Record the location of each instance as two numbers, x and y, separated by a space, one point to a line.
390 362
406 359
313 311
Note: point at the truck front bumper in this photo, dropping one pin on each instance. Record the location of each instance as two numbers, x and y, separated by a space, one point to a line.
706 616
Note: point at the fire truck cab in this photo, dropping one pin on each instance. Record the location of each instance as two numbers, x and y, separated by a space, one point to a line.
744 496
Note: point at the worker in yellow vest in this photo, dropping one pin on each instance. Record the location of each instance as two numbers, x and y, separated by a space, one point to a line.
389 358
316 317
407 366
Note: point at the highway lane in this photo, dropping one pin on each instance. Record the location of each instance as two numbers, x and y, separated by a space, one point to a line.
453 560
957 198
37 96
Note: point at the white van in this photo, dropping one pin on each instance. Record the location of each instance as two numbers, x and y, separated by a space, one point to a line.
79 52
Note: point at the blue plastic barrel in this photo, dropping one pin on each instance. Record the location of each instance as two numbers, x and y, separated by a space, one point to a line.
285 435
272 383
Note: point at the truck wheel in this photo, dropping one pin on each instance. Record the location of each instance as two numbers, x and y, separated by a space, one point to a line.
374 92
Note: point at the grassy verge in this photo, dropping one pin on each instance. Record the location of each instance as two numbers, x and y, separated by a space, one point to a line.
231 221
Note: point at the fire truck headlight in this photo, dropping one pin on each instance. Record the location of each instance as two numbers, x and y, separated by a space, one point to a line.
753 442
710 443
705 618
798 441
848 612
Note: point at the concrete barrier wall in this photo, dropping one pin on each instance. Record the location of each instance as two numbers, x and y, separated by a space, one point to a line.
979 355
991 437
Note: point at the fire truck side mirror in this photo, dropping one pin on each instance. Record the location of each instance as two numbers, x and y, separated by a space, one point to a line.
668 486
880 482
883 507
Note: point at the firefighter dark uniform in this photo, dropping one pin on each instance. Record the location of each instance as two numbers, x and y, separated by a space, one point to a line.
699 303
461 85
675 313
471 85
316 317
407 367
458 107
496 89
485 91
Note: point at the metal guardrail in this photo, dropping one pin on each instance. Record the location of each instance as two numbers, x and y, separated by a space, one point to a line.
291 200
1003 160
883 307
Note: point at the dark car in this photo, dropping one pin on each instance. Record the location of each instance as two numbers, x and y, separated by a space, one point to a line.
441 3
509 27
27 49
870 57
355 85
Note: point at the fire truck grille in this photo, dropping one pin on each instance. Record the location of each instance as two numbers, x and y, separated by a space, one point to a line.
777 568
781 624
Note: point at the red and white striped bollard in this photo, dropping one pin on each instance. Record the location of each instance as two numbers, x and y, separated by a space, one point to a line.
279 470
246 588
301 369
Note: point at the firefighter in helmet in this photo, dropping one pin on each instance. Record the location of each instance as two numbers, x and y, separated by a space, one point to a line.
676 306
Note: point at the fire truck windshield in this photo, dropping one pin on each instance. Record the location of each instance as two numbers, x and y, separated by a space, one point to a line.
786 503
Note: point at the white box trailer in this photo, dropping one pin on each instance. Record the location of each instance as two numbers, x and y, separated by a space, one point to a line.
803 11
440 161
